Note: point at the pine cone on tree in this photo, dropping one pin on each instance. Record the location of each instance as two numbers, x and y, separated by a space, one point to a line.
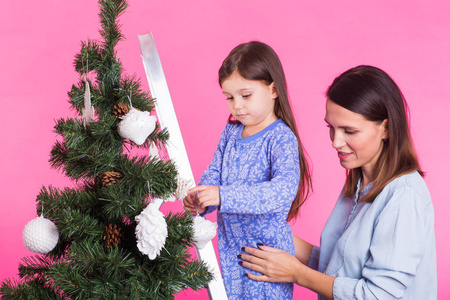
112 236
110 177
120 109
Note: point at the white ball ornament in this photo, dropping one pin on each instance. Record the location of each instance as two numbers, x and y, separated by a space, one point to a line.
136 126
40 235
151 231
204 231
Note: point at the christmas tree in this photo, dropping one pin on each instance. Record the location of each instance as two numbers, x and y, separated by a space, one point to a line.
96 254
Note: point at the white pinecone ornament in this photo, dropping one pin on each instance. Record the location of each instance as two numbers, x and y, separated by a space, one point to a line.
153 151
183 186
40 235
151 231
136 126
204 231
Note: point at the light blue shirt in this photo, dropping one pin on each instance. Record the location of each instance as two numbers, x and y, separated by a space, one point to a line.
258 179
381 250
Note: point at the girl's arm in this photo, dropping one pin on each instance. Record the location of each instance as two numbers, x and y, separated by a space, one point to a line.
278 266
211 177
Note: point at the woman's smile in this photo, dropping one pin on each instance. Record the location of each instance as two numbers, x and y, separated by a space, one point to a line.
344 155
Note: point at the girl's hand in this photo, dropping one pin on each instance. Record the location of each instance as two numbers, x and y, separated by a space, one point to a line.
190 203
275 265
207 195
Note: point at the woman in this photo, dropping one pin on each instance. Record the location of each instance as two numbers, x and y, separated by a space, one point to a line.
379 241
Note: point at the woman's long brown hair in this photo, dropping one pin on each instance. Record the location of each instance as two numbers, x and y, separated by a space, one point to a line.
370 92
258 61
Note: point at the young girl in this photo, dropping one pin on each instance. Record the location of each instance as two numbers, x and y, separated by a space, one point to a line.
379 241
259 177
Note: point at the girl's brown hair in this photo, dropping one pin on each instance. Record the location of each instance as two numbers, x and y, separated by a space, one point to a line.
370 92
258 61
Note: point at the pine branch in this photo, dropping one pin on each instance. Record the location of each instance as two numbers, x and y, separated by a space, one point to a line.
72 212
89 58
95 260
110 10
180 228
119 202
34 266
144 172
51 200
77 226
196 275
68 280
31 290
84 163
96 137
140 99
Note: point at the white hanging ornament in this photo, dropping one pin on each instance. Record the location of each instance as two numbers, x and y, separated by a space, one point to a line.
151 231
136 126
40 235
88 110
170 199
183 186
204 231
153 151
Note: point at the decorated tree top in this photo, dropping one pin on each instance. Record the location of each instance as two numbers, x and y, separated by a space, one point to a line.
105 223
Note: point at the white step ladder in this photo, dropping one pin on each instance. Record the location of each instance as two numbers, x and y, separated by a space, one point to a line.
175 146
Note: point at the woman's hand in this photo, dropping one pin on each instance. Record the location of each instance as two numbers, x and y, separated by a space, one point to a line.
206 195
275 265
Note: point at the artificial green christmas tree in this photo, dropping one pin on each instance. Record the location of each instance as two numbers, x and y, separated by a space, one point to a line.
97 254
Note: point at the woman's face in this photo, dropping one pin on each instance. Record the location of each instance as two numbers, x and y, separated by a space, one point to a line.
358 141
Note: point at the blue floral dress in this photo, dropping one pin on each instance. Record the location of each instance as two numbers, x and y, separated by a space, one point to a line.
258 179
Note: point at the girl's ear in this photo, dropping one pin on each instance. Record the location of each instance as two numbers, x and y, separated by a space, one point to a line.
273 88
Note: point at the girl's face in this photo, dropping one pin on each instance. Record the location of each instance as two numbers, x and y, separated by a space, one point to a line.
251 102
358 141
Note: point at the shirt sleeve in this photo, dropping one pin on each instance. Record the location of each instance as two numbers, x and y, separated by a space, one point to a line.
313 262
267 196
212 174
396 250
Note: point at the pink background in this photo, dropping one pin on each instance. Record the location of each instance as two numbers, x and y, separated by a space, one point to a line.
316 41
